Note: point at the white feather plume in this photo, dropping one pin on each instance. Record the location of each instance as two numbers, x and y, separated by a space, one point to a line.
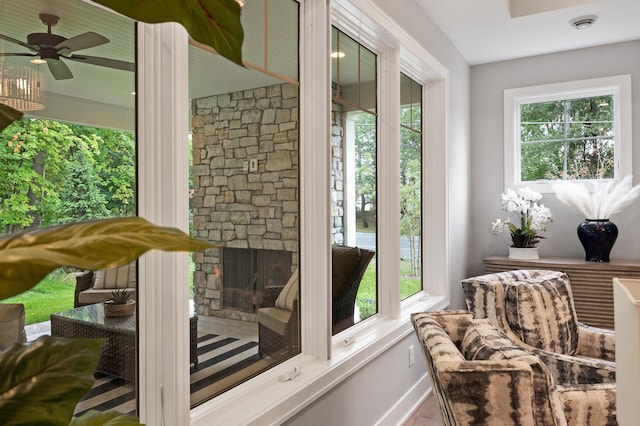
601 201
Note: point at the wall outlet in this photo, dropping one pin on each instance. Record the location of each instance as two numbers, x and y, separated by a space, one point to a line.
245 166
412 358
253 165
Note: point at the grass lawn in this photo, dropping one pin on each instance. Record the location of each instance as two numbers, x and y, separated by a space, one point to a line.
367 292
52 294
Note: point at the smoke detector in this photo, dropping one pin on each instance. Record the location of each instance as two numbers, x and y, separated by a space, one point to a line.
582 22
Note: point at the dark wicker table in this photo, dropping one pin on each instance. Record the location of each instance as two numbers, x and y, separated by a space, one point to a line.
118 356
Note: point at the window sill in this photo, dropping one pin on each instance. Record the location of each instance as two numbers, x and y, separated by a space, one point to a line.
267 400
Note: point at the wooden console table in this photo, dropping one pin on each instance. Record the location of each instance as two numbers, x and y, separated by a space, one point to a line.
591 282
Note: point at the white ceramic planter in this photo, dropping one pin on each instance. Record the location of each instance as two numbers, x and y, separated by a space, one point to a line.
523 253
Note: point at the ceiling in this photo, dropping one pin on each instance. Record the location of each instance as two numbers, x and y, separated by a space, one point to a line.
485 30
105 97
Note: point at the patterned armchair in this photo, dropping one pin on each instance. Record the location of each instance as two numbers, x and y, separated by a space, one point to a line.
480 377
535 309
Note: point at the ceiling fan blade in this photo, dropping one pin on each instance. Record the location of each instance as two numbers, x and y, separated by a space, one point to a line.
104 62
59 69
18 54
21 43
82 41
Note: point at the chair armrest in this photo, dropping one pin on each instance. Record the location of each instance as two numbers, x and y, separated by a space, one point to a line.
589 404
462 382
574 370
84 281
596 342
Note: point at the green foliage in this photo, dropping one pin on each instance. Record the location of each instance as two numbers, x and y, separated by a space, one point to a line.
62 172
215 23
411 183
28 257
571 139
8 115
368 292
365 163
40 383
52 294
119 297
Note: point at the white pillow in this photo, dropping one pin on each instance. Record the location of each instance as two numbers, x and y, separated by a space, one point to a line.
289 293
121 277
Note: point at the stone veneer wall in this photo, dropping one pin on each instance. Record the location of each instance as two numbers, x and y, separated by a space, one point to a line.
240 208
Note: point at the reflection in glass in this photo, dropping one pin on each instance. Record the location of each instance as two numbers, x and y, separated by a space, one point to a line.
245 196
73 161
353 180
410 186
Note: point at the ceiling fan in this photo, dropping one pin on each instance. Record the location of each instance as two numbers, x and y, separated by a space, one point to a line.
52 48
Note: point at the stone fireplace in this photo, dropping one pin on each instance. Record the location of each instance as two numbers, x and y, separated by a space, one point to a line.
245 195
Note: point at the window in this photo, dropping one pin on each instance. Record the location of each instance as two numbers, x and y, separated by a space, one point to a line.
410 186
354 139
244 196
568 131
265 398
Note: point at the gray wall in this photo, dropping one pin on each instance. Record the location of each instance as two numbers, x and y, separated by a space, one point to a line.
488 83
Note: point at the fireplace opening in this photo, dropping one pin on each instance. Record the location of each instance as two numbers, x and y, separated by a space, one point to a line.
245 272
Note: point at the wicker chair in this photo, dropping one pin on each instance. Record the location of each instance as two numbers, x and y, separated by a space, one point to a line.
348 267
12 317
95 287
278 316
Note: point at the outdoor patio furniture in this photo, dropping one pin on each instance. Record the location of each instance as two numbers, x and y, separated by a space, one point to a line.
97 286
118 356
278 316
12 317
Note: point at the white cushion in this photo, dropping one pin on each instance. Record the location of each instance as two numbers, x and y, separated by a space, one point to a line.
289 293
121 277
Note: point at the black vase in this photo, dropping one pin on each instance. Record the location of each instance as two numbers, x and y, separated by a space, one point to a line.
597 237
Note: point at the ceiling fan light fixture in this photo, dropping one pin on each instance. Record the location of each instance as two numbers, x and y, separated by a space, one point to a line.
21 87
583 22
38 61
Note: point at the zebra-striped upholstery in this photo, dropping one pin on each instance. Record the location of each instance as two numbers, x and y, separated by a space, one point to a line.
534 308
503 384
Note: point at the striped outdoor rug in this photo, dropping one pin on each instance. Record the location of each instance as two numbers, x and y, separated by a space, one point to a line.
218 357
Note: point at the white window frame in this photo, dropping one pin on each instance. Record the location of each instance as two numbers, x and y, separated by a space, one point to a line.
618 86
324 361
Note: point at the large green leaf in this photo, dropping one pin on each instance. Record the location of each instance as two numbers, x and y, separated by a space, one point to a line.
215 23
27 257
41 382
7 116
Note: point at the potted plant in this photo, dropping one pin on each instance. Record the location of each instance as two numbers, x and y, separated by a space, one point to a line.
119 304
597 233
532 219
43 380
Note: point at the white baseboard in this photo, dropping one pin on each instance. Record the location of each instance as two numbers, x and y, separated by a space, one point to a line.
408 404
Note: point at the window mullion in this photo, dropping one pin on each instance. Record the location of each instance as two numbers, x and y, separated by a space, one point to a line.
389 184
163 200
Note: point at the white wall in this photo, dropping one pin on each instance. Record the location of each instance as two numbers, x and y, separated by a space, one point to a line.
387 388
488 82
